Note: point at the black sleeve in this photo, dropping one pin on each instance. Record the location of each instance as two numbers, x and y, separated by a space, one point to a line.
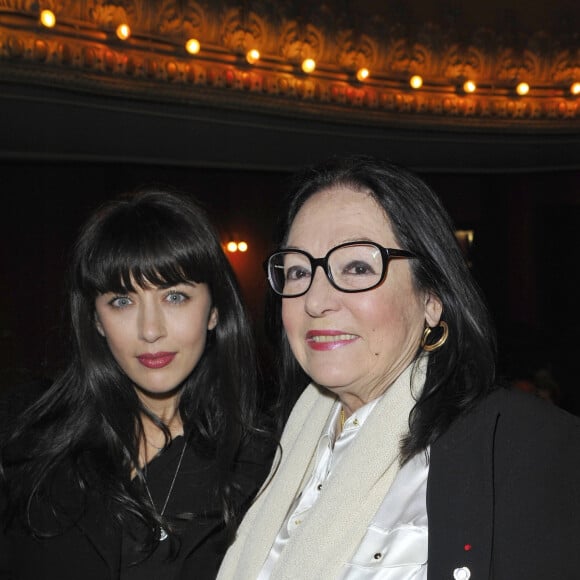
537 491
253 466
503 495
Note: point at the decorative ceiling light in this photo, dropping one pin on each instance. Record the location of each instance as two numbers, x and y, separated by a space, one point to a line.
469 86
308 65
123 31
416 81
47 18
362 74
232 246
253 56
192 46
522 89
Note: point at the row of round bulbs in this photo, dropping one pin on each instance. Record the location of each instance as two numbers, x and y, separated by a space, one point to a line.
469 86
193 46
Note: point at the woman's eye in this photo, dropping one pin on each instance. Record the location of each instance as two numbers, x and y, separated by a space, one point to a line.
297 273
176 297
358 269
120 302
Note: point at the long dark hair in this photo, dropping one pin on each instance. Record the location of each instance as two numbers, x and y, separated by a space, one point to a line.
90 419
463 369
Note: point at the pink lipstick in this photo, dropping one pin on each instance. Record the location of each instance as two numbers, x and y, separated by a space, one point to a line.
156 360
328 339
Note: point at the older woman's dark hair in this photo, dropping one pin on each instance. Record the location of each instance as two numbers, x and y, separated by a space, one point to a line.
463 369
91 417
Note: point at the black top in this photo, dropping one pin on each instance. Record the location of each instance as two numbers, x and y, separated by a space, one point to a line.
191 497
192 504
95 548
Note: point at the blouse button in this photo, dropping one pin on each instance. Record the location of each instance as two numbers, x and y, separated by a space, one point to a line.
378 556
319 486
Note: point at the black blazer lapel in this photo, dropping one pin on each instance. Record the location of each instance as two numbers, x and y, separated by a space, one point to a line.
460 497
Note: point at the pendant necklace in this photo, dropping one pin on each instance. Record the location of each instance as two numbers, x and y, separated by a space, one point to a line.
163 533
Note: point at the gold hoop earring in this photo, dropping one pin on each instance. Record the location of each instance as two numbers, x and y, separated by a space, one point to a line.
437 344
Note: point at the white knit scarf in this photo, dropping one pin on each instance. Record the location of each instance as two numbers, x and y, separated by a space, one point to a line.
338 521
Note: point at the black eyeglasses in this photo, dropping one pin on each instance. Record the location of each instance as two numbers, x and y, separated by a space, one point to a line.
350 267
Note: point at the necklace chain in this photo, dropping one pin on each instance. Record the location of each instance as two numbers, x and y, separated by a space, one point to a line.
163 533
155 446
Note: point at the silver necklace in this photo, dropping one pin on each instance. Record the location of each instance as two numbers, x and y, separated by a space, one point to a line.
163 532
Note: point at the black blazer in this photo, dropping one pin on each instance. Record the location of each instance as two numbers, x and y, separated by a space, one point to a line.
503 494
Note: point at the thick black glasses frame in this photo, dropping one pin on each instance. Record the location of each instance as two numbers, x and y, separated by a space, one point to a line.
386 253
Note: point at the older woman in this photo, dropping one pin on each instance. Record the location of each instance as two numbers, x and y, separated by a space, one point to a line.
401 459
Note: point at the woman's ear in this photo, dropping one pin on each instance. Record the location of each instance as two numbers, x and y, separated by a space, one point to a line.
433 309
213 318
99 326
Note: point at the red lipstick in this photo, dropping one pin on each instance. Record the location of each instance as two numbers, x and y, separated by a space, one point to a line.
156 360
328 339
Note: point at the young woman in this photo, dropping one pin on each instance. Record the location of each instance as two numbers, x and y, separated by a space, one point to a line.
141 458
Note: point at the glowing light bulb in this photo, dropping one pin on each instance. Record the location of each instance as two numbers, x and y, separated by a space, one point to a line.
469 86
242 246
362 74
416 81
47 18
232 247
253 56
523 89
575 88
123 31
192 46
308 65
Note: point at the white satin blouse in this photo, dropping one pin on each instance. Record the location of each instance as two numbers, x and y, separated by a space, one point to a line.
395 544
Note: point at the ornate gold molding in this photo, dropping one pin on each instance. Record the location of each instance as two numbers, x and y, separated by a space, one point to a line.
82 52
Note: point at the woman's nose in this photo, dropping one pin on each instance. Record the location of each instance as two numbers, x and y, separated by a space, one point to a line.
321 297
151 322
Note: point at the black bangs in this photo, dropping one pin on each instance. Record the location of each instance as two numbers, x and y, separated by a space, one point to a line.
139 249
